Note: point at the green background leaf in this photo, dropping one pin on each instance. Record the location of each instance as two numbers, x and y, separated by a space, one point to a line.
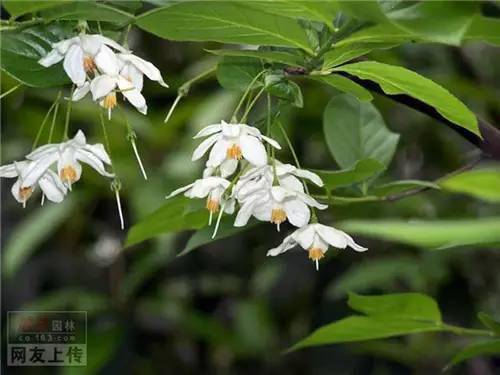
479 183
362 171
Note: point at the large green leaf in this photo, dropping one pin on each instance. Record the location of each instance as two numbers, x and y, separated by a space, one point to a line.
314 10
272 56
340 55
226 22
17 8
281 87
21 51
387 316
382 34
401 186
237 73
434 234
356 131
480 183
175 215
489 322
87 10
369 10
398 80
361 171
345 85
37 227
485 29
477 349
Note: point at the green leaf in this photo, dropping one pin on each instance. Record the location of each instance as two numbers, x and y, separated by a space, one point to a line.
173 216
397 187
271 56
361 171
477 349
21 51
489 322
356 131
236 73
281 87
345 85
380 34
398 80
17 8
224 22
87 10
340 55
366 10
313 10
204 235
399 306
434 234
31 232
479 183
484 29
436 21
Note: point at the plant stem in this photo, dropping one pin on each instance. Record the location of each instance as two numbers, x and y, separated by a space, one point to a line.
247 90
11 90
252 103
44 121
466 331
54 118
68 113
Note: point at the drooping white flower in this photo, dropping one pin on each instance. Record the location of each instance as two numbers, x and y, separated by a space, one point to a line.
49 182
315 238
230 143
105 85
277 204
212 188
68 156
133 68
79 54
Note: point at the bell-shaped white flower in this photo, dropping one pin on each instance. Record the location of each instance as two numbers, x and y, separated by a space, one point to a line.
49 182
79 54
277 204
315 239
68 156
134 68
212 188
230 143
105 85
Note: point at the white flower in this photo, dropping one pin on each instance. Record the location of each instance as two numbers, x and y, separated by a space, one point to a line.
230 143
103 87
134 68
277 204
79 55
68 156
315 238
49 183
212 188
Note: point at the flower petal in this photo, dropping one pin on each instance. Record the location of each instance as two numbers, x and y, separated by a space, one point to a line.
132 74
52 187
313 177
63 45
204 146
43 151
111 43
73 65
81 91
217 153
288 243
11 170
133 95
297 212
53 57
204 186
15 190
337 238
291 183
253 150
102 86
67 158
91 44
99 151
305 236
230 130
151 71
93 161
208 130
179 190
310 201
37 169
246 211
228 167
107 61
271 141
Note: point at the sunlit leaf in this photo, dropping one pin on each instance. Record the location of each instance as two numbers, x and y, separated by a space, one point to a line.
478 349
345 85
342 54
355 131
489 322
361 171
237 73
479 183
485 29
87 10
17 8
272 56
398 80
402 186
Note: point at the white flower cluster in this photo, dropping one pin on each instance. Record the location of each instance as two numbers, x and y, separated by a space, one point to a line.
269 191
98 64
37 168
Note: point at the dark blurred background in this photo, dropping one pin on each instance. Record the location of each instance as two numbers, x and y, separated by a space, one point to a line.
225 307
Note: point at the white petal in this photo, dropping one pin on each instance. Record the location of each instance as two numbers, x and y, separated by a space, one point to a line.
79 138
305 236
217 153
253 150
111 43
310 201
42 151
228 167
67 159
63 45
92 160
99 151
132 74
246 211
263 210
36 169
53 57
203 187
208 130
279 194
102 86
81 91
271 141
91 44
73 65
204 146
287 244
229 206
133 95
180 190
51 186
291 183
151 71
107 61
10 170
230 130
313 177
297 212
337 238
15 191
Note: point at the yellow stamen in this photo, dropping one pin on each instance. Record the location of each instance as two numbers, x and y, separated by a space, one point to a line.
212 205
315 253
68 174
234 152
89 64
278 215
25 193
109 101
